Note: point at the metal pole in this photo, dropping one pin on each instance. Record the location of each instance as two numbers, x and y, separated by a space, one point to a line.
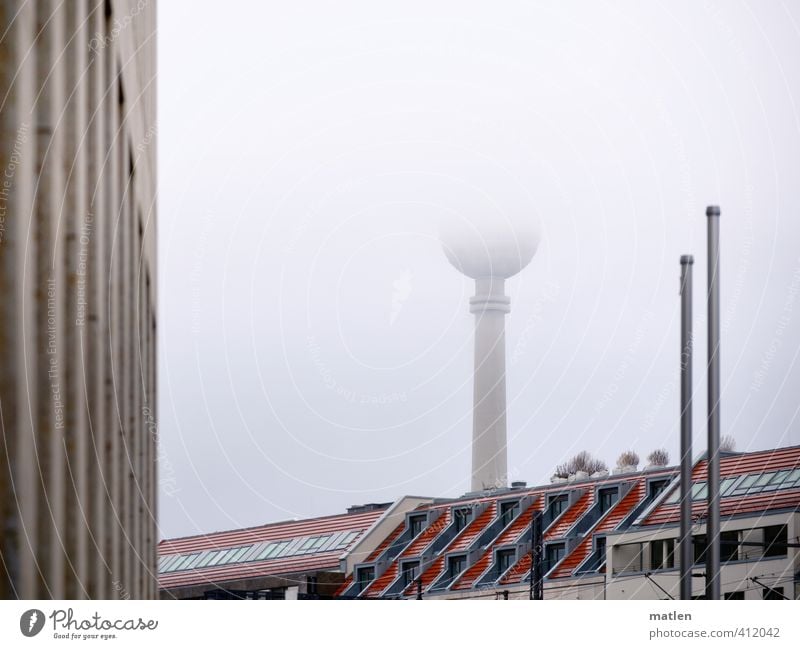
712 528
536 549
687 344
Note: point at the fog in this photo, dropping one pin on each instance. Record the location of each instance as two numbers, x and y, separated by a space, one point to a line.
316 344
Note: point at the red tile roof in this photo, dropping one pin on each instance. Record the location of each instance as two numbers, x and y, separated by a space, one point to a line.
735 465
607 523
357 522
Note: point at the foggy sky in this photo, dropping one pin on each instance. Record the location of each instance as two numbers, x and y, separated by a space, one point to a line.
315 344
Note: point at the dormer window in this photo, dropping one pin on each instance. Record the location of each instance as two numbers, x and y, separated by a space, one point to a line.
508 510
365 577
410 572
417 524
505 559
456 565
607 498
558 504
462 517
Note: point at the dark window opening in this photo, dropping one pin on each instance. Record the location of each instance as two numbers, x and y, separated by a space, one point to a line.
365 577
456 565
662 554
410 572
462 518
600 549
700 546
505 559
775 592
607 498
729 546
553 554
557 505
737 594
417 524
775 539
508 511
656 487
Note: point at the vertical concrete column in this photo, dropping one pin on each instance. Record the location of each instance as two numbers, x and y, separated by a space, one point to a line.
489 453
19 479
94 336
123 370
77 232
113 298
50 422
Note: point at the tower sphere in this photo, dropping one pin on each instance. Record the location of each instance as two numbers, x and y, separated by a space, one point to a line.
493 246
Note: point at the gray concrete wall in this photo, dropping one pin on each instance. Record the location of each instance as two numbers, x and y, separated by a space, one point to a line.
78 471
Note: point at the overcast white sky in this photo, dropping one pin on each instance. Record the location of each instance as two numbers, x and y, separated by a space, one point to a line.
315 345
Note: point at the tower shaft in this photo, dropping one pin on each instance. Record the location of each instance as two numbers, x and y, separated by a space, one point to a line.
489 452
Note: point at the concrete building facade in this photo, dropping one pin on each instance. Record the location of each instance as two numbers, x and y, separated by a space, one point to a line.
78 299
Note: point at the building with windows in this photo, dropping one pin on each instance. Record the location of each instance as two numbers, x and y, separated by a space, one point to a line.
603 537
608 537
77 299
296 559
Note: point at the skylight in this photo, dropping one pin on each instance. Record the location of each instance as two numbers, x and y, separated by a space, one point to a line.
258 552
744 485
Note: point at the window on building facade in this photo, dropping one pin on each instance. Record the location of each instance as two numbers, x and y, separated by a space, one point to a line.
656 487
462 517
607 498
508 511
737 594
699 546
558 504
662 554
775 539
729 545
505 559
365 577
776 592
553 554
628 558
456 565
417 524
410 572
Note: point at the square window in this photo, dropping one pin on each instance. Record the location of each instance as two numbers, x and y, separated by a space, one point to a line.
656 487
745 484
557 505
365 578
699 490
505 559
417 524
628 558
699 546
607 498
461 518
662 554
456 565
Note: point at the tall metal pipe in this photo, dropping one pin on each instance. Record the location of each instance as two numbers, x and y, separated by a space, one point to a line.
686 552
712 527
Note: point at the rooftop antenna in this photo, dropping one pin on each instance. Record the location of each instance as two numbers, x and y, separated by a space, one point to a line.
489 250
